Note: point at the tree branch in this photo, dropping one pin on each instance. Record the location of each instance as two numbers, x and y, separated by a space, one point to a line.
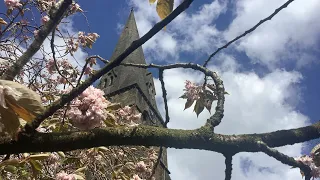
228 162
285 159
201 138
248 31
55 19
164 95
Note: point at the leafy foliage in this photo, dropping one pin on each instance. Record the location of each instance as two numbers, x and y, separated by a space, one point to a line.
202 95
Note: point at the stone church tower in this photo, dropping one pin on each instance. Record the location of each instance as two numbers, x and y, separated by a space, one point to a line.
134 86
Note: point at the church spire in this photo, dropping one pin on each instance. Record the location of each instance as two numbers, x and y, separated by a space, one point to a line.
124 76
134 86
129 34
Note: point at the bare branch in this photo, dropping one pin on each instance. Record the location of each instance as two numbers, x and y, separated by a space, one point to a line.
284 159
228 162
164 95
248 31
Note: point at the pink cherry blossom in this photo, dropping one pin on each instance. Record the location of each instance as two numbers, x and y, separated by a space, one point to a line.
128 116
65 176
135 177
45 19
12 3
89 109
72 45
307 160
141 166
87 40
88 70
192 91
75 7
35 32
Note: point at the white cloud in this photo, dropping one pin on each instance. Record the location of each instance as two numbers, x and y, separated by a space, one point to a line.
285 38
187 33
255 105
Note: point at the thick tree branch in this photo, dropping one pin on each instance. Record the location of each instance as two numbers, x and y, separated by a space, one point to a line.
202 138
55 19
78 90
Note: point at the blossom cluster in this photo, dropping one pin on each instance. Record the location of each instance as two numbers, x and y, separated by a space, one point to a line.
11 4
75 7
89 109
65 176
128 115
63 64
87 40
308 160
45 19
192 90
46 5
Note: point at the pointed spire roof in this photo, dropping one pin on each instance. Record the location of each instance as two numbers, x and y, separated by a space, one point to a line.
124 76
129 34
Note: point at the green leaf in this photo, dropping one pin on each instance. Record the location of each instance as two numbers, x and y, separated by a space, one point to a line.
61 154
80 169
198 108
14 162
188 104
10 168
110 122
114 106
78 177
152 1
36 165
39 156
103 149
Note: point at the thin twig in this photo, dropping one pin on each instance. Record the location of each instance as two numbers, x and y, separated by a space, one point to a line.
228 162
55 60
285 159
248 31
164 95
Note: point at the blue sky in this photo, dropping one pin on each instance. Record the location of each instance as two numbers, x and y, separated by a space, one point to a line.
271 74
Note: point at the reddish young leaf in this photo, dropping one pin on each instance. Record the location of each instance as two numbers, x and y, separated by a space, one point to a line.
188 103
198 108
